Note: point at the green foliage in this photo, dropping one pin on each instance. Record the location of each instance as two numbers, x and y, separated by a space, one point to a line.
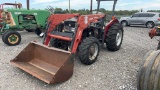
86 11
153 11
58 10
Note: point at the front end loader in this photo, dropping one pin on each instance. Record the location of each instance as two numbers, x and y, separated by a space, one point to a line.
67 35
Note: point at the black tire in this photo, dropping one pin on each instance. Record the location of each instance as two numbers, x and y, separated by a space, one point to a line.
115 31
124 23
38 32
16 36
53 43
57 44
148 77
4 35
84 51
150 24
158 47
30 30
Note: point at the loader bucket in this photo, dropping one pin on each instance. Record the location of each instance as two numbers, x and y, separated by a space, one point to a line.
48 64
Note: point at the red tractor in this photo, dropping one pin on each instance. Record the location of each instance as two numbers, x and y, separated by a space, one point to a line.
148 77
155 32
67 35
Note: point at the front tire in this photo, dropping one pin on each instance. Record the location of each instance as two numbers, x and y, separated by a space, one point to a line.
114 37
158 47
53 43
12 38
38 32
89 50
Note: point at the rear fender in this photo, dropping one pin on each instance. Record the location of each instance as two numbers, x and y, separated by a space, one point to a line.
113 21
83 22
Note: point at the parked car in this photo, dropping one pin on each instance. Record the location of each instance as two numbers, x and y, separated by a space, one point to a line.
149 19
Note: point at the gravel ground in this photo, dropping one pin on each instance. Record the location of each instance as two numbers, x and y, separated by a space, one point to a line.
112 71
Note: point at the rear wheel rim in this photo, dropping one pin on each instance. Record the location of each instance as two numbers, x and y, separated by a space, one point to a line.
124 23
119 38
13 39
93 52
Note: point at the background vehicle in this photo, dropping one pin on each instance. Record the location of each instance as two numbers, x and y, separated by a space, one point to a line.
149 19
65 36
13 20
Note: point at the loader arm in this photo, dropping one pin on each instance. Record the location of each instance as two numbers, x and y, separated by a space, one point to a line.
56 19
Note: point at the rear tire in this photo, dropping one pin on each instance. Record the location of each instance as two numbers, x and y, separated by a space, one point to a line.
124 23
149 73
150 24
88 50
114 37
158 47
12 38
38 32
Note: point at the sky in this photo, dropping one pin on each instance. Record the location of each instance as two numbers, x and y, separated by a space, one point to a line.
81 4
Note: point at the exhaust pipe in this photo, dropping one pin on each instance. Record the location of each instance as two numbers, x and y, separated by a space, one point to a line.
91 6
28 4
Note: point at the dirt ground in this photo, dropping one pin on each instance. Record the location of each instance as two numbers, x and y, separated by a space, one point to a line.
112 71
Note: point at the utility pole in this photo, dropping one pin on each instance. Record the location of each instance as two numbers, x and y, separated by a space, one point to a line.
28 4
91 6
69 7
15 5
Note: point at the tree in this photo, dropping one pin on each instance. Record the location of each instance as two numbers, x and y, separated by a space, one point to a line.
58 10
108 12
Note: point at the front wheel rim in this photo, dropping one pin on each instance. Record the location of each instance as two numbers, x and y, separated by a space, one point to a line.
119 38
13 39
150 25
93 52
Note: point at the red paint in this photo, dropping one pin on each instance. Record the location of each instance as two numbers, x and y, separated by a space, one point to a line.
113 21
55 20
153 32
60 37
82 26
83 22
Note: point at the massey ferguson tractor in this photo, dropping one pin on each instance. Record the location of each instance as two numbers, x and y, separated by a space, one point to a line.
148 77
68 35
18 19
